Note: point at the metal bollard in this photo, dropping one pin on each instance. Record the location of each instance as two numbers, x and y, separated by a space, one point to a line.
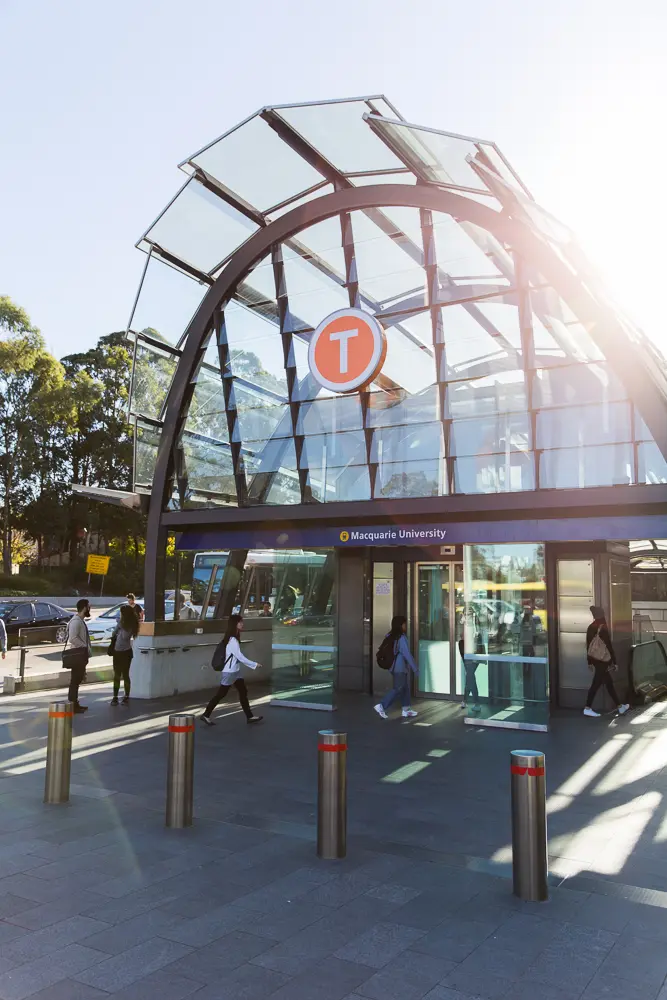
23 642
58 753
180 771
529 825
331 794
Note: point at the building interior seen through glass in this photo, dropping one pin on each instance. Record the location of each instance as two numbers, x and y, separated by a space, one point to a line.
294 589
491 382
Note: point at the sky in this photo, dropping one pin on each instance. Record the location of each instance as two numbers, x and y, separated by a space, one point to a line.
100 101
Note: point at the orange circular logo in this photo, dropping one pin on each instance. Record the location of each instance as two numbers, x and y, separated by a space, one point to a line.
347 350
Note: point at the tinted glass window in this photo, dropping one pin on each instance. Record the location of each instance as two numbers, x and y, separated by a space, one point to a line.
23 613
43 611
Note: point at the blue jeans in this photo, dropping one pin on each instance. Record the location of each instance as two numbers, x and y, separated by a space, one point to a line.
401 689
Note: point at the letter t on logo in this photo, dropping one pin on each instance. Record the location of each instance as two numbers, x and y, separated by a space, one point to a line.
342 336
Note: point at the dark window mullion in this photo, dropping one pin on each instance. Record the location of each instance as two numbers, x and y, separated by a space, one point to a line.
352 285
289 359
527 354
438 335
233 427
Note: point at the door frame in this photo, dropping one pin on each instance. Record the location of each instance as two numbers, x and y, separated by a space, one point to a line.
450 562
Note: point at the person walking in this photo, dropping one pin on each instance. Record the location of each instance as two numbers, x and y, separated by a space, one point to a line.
76 657
121 650
601 660
400 670
229 654
3 638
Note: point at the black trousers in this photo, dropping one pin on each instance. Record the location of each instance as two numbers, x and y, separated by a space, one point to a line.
222 693
121 671
76 679
601 678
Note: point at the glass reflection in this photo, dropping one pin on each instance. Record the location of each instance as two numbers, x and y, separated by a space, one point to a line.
504 626
168 299
152 375
572 468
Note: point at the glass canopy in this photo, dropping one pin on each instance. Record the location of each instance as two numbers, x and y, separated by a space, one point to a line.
491 382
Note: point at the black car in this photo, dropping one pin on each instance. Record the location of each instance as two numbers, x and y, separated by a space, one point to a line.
38 614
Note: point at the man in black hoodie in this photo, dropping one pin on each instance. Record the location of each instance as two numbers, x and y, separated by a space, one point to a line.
598 641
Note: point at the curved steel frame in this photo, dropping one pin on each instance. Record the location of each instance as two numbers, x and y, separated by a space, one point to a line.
627 366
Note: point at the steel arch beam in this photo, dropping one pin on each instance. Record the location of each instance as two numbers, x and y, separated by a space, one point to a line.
617 348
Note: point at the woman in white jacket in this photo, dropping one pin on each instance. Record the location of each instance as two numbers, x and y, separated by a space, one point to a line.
232 657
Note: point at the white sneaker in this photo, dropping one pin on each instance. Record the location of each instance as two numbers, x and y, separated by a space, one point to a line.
622 709
591 714
380 711
409 713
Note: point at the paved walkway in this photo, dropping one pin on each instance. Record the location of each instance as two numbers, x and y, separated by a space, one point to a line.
98 899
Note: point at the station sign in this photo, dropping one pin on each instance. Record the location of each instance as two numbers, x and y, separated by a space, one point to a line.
347 350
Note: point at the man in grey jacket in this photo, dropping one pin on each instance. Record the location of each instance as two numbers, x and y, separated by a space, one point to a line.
78 638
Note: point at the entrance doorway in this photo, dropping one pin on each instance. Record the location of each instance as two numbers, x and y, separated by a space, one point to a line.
438 627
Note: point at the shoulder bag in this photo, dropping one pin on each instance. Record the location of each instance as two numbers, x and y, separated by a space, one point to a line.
598 649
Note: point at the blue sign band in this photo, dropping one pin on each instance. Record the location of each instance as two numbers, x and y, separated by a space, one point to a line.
571 529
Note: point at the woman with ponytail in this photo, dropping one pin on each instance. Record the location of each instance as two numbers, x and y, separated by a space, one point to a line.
228 658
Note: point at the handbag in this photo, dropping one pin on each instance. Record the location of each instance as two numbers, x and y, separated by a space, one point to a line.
598 649
75 656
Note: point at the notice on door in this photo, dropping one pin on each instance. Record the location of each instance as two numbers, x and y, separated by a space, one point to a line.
383 588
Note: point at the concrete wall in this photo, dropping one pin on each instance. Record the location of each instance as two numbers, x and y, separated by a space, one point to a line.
178 660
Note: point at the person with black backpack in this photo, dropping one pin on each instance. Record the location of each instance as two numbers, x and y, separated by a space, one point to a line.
394 655
227 659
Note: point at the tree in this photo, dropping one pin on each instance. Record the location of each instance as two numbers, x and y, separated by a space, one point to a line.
31 382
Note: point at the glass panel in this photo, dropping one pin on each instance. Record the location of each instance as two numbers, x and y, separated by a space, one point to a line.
504 634
311 294
256 350
605 465
491 434
167 302
324 240
583 425
300 588
320 193
339 132
209 471
503 169
494 473
199 228
152 376
408 365
652 463
427 478
255 163
576 384
330 415
469 349
147 441
337 466
433 629
566 330
406 178
504 392
271 471
436 156
386 272
464 250
410 460
389 409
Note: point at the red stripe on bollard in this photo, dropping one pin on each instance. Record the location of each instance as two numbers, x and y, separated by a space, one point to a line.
533 772
332 747
181 729
61 715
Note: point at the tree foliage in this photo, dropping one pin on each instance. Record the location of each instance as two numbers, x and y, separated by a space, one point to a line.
62 422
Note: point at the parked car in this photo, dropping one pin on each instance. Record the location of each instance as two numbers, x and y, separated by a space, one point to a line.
101 628
38 614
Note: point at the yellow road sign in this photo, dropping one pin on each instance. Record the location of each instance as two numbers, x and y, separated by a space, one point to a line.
98 564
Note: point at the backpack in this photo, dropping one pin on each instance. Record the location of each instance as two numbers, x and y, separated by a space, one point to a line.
598 649
385 656
219 662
